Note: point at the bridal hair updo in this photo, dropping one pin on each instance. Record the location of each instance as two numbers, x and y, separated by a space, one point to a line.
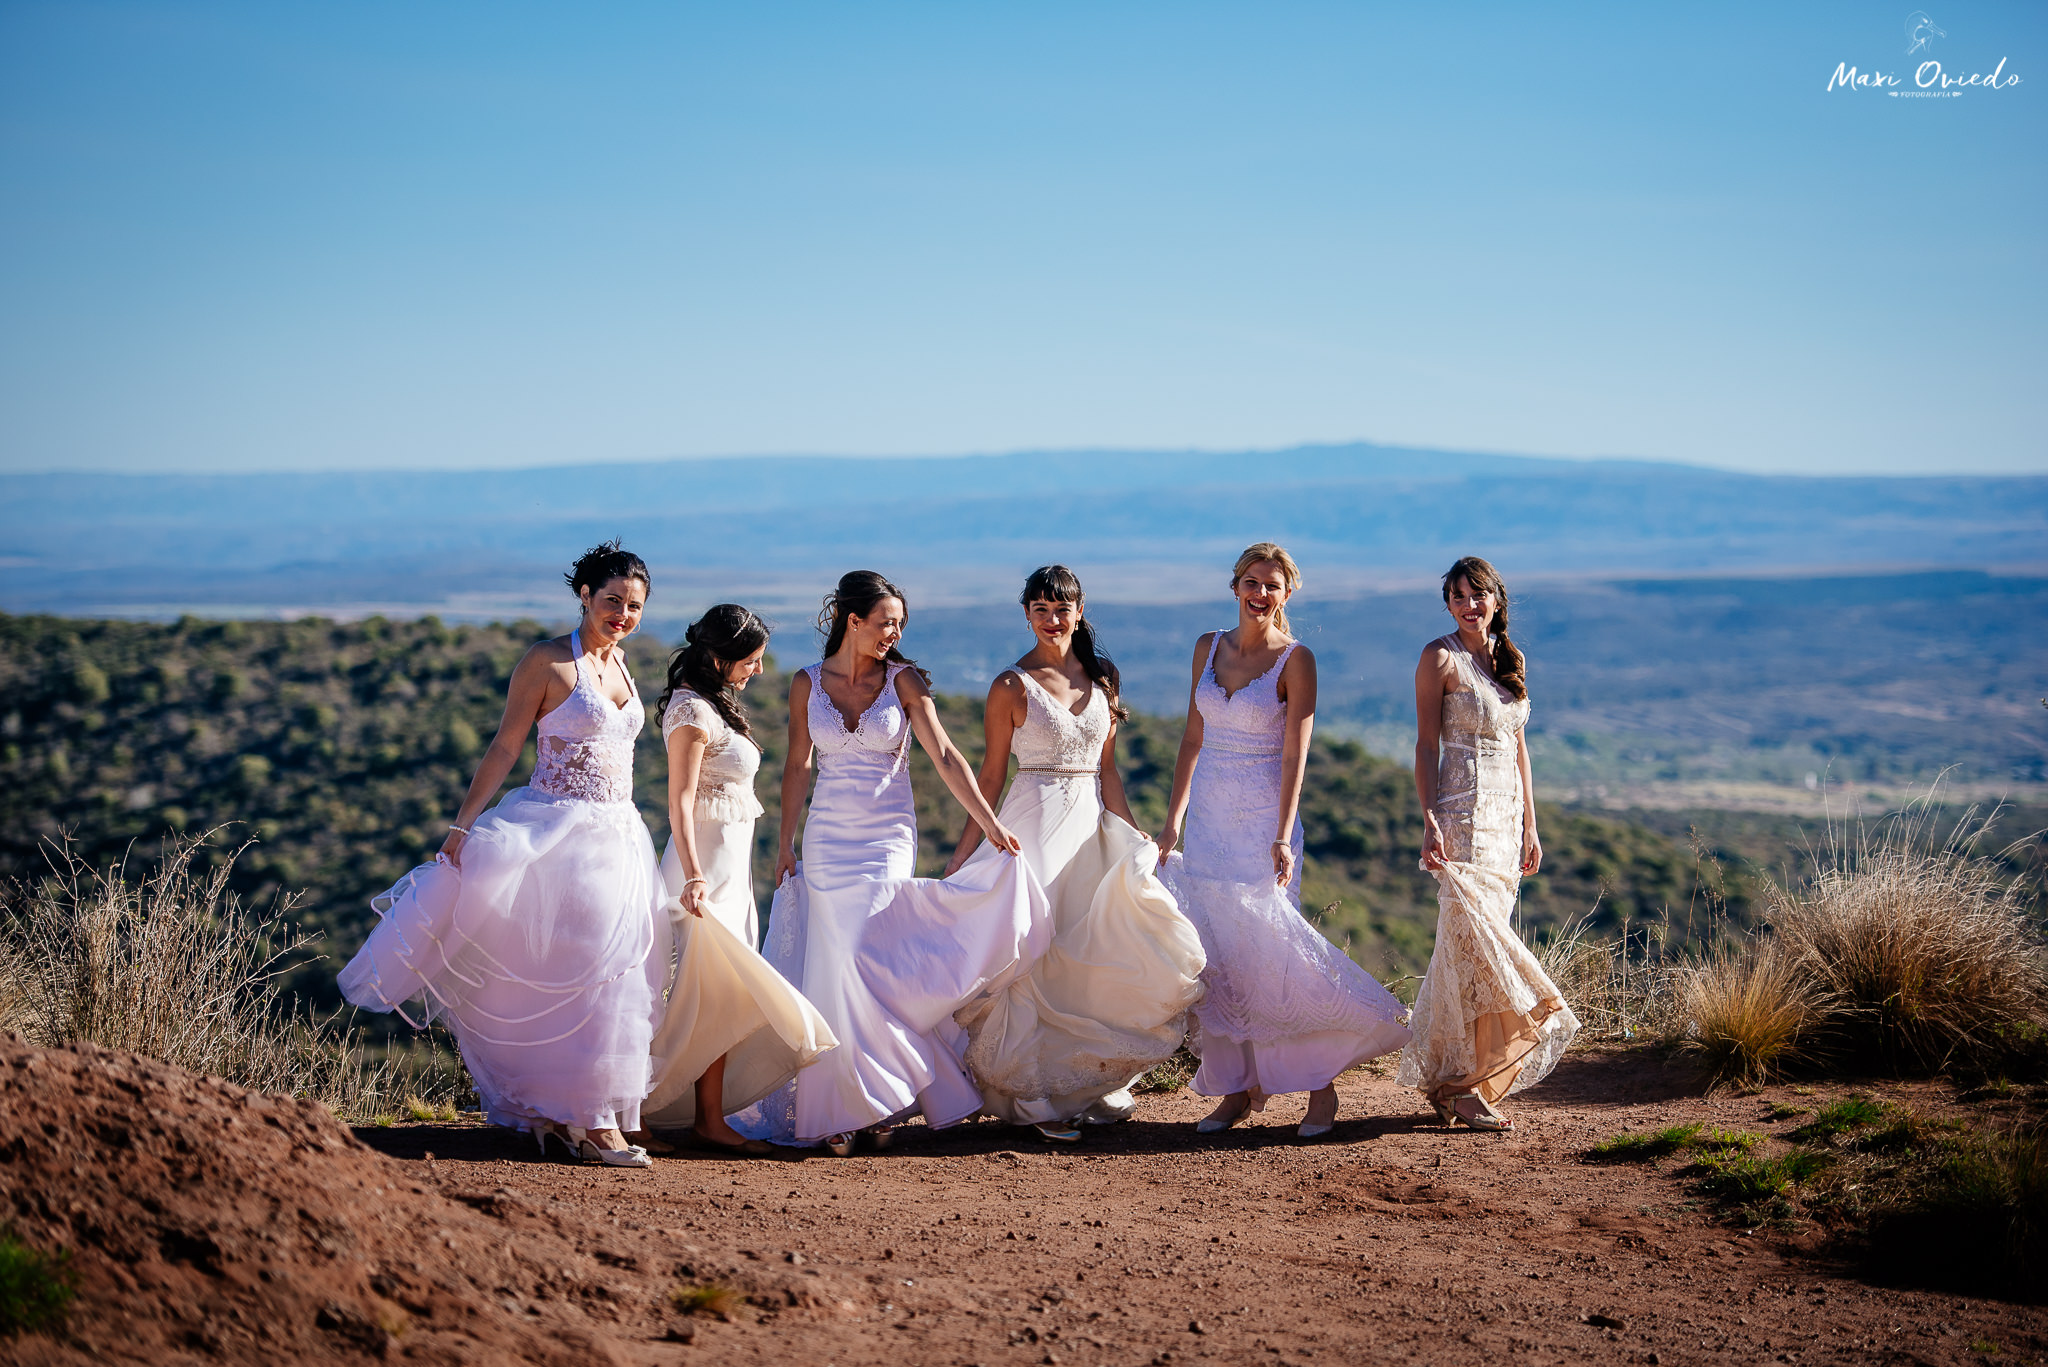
1289 572
603 563
715 642
1058 584
858 594
1509 668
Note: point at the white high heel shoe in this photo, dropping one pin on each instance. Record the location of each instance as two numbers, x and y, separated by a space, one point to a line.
632 1156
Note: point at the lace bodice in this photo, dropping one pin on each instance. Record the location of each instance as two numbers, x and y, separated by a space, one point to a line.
1251 721
1054 738
586 744
725 779
879 736
1478 777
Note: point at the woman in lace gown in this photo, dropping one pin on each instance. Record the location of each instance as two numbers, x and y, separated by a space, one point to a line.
734 1029
1488 1020
536 935
885 956
1286 1010
1110 998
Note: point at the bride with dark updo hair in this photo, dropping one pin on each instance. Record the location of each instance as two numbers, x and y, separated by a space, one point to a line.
735 1029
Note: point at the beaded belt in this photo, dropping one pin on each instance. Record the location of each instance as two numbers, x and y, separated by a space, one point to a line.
1052 769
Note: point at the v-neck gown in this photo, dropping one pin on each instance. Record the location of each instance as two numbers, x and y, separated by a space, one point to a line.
886 957
1488 1018
1287 1011
1111 996
544 954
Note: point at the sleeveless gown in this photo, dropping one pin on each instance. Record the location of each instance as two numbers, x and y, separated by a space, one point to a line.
1111 996
1488 1018
885 956
545 952
1287 1011
726 999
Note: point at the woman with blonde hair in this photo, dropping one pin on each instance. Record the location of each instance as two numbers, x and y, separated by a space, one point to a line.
1488 1021
1286 1010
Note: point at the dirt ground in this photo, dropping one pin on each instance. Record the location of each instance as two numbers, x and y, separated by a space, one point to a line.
1391 1240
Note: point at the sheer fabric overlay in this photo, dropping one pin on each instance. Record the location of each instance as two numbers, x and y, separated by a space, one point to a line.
1286 1010
544 954
1488 1018
1110 997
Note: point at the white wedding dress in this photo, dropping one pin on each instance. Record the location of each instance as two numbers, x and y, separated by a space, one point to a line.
726 1000
1488 1018
1287 1011
1111 995
885 956
545 952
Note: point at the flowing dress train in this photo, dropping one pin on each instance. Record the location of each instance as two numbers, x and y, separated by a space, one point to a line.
1488 1018
1111 995
544 953
885 956
1286 1011
726 1000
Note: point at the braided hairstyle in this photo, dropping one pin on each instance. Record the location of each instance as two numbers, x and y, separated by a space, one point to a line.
1510 669
1290 574
603 563
1058 584
858 593
715 642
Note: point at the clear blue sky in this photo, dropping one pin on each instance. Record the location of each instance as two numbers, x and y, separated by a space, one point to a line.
296 236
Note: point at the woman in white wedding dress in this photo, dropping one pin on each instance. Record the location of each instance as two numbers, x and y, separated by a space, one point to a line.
1111 996
1488 1020
885 956
536 934
1286 1010
734 1029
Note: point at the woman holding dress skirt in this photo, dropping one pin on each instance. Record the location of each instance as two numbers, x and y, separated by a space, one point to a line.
734 1029
536 934
1488 1020
1286 1010
1110 998
885 956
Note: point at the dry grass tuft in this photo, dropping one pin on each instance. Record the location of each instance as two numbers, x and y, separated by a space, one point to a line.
173 967
1746 1008
707 1299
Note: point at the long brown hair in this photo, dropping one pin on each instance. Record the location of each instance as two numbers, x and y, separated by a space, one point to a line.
856 596
1289 571
1058 584
718 640
1509 668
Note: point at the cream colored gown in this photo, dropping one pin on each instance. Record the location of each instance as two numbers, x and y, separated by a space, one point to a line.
1488 1018
1110 997
726 999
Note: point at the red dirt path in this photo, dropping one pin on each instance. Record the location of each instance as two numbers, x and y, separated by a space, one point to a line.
211 1225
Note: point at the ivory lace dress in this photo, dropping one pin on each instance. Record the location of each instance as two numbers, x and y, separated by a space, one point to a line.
1111 996
1488 1018
1287 1011
726 1000
545 952
885 956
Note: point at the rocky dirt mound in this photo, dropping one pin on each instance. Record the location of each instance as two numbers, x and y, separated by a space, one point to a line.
208 1222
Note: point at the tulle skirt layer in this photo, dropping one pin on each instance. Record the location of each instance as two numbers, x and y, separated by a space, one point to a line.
1110 996
544 955
726 1000
1286 1010
1488 1018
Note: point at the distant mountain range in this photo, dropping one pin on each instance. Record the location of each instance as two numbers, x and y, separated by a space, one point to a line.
1141 526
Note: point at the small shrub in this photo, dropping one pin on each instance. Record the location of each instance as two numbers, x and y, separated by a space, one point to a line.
35 1287
1852 1113
1973 1214
1756 1188
1747 1007
707 1299
1726 1141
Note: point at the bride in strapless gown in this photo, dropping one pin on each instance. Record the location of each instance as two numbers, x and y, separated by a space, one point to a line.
536 935
1287 1011
1488 1021
1110 998
885 956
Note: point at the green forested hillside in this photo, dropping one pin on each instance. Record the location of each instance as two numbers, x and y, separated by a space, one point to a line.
343 751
